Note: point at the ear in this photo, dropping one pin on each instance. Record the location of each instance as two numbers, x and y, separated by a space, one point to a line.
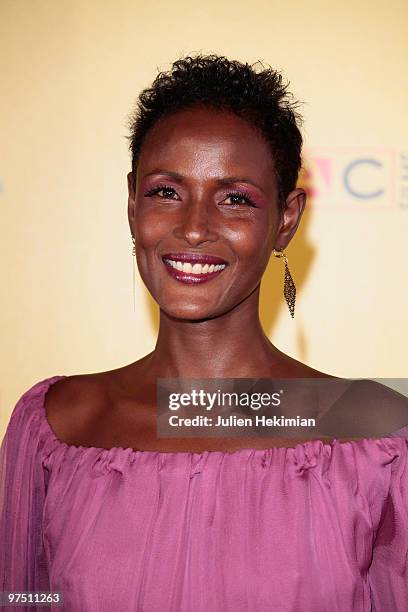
294 206
131 201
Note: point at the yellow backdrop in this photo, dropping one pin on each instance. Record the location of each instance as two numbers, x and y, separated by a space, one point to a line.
71 71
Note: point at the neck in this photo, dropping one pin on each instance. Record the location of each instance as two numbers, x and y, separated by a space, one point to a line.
232 345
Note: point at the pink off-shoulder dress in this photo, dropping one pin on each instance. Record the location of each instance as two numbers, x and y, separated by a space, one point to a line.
321 527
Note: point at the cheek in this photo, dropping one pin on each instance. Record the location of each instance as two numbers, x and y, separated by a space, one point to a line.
149 231
150 227
251 242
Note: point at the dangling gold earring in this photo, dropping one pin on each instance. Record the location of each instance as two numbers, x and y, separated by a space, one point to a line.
289 289
133 273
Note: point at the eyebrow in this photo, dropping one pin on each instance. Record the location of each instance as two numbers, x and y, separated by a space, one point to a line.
227 180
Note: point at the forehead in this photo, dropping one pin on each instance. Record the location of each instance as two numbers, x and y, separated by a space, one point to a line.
203 142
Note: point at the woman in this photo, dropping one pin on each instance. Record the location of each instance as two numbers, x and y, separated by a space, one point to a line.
96 506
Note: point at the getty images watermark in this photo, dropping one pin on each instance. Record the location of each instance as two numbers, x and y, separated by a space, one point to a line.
291 407
198 398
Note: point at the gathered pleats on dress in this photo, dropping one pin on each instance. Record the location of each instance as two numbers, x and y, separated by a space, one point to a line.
321 527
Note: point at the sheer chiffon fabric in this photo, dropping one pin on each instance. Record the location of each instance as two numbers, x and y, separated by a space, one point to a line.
322 527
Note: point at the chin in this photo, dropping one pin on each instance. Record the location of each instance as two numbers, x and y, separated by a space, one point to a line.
191 312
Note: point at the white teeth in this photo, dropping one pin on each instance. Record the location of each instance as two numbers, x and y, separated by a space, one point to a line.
196 268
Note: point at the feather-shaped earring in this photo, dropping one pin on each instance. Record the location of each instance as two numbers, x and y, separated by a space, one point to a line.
289 289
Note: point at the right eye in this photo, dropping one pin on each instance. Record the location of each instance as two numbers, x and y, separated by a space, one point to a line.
167 192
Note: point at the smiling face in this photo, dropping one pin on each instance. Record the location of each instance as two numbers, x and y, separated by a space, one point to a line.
206 186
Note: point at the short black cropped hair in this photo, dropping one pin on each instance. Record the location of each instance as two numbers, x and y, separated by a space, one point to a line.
259 96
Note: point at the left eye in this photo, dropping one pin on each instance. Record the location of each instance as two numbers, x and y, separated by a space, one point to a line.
167 193
238 198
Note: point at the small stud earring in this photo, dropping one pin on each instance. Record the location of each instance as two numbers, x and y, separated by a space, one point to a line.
289 289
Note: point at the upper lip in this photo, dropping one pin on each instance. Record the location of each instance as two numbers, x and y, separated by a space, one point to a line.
204 258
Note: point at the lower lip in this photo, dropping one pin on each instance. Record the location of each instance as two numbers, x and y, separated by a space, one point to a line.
191 279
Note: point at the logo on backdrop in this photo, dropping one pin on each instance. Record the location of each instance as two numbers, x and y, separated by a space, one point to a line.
363 178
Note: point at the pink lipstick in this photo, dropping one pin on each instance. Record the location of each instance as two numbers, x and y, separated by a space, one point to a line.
193 268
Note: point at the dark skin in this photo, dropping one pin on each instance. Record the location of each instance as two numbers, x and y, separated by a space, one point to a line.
219 318
191 153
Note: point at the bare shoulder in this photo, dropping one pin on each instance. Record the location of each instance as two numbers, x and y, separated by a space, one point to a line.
367 408
354 407
385 404
73 402
77 406
289 367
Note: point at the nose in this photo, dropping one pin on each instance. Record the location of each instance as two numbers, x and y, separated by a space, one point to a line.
195 226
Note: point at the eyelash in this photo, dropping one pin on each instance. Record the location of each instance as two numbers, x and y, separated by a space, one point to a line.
242 195
239 194
155 190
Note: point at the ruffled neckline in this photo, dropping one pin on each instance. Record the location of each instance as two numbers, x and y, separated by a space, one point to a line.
315 446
